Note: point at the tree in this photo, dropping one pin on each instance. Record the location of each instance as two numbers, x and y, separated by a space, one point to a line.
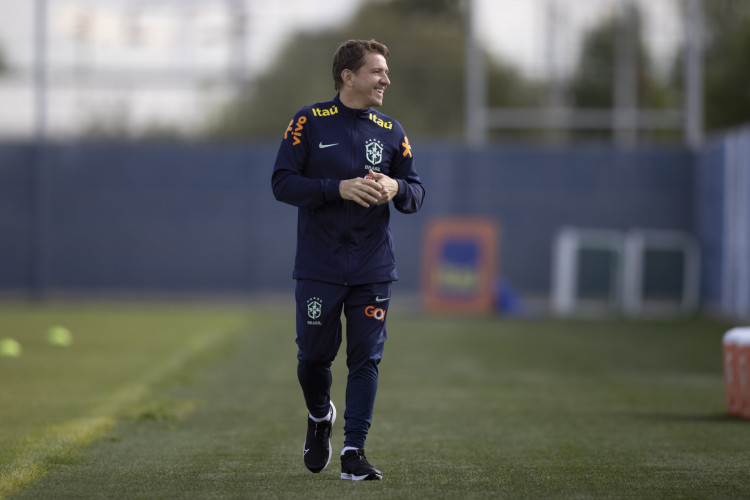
3 63
114 124
727 72
593 80
426 38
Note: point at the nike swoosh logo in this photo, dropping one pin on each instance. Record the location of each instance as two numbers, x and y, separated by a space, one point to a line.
378 299
323 146
305 451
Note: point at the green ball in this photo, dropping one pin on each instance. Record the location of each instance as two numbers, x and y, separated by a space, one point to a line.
60 336
10 348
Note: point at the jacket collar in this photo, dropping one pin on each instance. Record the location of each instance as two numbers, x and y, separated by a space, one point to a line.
350 111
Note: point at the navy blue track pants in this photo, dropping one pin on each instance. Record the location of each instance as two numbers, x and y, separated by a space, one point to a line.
319 336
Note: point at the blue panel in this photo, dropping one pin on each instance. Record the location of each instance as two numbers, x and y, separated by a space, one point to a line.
458 268
202 218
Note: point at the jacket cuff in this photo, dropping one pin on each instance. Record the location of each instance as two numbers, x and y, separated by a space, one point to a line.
331 189
402 187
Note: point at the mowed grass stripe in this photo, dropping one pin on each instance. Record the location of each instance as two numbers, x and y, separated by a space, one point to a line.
241 403
56 441
467 408
34 452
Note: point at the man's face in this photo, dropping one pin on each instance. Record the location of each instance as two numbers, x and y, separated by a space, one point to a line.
370 81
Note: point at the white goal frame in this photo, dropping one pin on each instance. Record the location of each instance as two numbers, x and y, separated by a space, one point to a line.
629 249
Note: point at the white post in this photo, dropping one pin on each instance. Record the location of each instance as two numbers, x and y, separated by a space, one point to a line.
40 71
565 270
693 104
625 77
475 81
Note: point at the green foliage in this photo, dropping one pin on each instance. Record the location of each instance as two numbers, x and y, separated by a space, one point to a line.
591 85
300 76
727 68
593 81
426 40
114 125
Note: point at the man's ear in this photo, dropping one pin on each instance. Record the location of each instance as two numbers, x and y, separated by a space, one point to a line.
347 76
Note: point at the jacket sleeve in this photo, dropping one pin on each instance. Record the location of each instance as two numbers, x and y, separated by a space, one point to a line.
410 189
288 181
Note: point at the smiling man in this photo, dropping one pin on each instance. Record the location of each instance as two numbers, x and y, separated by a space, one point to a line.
342 163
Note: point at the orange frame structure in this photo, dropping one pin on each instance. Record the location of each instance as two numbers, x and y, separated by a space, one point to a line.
468 287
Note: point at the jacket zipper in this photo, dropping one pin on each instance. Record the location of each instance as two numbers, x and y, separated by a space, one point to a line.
352 158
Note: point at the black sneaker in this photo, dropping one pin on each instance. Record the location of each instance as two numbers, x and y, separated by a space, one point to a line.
317 450
355 467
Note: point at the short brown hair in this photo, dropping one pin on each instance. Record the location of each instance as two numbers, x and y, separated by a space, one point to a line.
351 55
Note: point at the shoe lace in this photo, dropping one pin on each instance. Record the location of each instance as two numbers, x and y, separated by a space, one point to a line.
320 427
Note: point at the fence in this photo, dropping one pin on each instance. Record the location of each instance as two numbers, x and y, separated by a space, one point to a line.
202 218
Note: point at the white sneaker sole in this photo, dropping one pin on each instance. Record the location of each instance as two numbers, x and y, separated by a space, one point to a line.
330 450
352 477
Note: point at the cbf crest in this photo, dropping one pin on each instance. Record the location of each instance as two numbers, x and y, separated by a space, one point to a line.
374 151
314 310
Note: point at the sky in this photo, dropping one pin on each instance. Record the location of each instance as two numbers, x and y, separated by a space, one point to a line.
171 46
522 30
144 60
148 33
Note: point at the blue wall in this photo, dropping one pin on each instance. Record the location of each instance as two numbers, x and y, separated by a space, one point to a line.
202 218
532 192
710 219
723 222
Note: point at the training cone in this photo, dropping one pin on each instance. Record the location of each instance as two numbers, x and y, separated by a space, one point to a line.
59 336
10 348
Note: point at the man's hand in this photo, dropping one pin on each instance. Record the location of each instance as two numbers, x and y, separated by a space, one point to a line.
364 192
388 187
368 192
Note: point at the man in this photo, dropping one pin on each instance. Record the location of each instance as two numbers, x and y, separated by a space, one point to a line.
341 163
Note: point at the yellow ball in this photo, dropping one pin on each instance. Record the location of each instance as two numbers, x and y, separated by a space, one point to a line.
59 335
10 348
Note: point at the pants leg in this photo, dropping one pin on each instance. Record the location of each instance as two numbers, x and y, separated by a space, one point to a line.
318 340
365 308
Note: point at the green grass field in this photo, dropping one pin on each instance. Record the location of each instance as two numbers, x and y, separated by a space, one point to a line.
187 401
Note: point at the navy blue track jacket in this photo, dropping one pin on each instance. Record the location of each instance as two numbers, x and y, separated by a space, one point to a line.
339 241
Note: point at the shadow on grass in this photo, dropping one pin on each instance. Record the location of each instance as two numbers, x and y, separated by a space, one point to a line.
709 418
